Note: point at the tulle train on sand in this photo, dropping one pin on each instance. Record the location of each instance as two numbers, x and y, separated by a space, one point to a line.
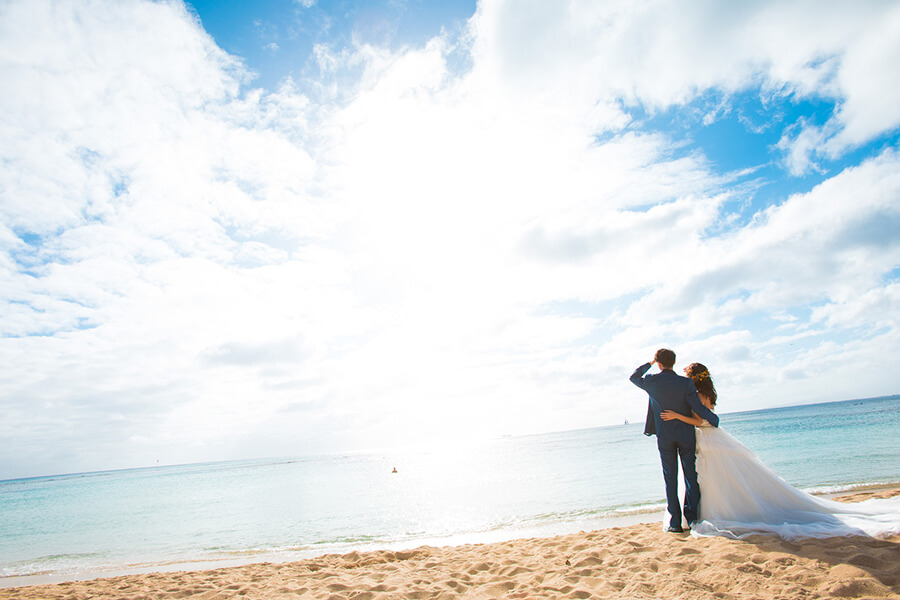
741 496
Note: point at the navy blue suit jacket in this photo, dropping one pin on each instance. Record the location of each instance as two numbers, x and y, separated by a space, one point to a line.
670 391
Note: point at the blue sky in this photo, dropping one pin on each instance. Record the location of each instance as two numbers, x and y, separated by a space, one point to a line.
234 230
276 37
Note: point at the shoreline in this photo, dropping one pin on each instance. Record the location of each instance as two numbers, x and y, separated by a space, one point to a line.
620 560
463 539
651 514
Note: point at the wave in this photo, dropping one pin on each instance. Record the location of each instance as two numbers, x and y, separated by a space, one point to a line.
851 487
50 564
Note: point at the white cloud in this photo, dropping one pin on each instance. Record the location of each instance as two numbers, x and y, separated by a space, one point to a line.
194 270
870 84
661 53
876 308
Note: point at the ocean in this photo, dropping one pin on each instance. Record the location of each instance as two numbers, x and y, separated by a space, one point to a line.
217 514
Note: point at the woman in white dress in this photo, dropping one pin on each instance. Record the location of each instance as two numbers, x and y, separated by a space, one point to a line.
741 496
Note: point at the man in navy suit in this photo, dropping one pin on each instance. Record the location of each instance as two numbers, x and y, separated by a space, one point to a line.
675 439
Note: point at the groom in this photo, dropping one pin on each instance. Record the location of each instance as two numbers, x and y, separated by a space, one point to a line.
675 439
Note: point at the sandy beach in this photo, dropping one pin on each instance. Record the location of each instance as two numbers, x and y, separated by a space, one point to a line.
639 561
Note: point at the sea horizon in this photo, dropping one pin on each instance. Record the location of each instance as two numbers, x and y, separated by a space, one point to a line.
417 447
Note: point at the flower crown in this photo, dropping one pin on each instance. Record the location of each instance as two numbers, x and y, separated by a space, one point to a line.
700 376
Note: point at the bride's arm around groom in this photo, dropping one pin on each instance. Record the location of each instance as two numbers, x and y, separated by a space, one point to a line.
669 391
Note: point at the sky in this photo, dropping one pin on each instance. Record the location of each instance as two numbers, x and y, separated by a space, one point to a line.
286 227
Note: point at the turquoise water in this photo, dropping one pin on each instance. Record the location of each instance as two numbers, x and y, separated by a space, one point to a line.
283 509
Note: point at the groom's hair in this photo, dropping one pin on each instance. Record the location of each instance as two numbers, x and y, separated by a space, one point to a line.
665 357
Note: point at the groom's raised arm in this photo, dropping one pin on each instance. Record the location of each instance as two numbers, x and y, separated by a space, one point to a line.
693 399
637 378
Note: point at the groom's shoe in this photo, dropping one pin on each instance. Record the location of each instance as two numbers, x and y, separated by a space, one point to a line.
675 529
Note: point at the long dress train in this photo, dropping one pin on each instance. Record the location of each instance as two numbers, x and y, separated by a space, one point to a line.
741 496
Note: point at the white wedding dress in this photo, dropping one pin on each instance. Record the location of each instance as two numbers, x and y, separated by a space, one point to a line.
740 496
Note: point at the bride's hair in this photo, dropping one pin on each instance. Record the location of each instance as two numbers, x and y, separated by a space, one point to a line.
703 380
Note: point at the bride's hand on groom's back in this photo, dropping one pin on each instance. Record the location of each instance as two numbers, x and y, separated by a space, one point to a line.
668 415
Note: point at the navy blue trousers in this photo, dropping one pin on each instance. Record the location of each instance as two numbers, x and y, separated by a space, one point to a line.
669 452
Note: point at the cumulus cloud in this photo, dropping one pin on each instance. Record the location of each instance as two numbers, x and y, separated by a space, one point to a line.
658 54
403 250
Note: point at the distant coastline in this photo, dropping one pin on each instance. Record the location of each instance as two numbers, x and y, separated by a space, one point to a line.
811 404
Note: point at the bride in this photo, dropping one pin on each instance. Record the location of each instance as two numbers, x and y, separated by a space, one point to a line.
741 496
